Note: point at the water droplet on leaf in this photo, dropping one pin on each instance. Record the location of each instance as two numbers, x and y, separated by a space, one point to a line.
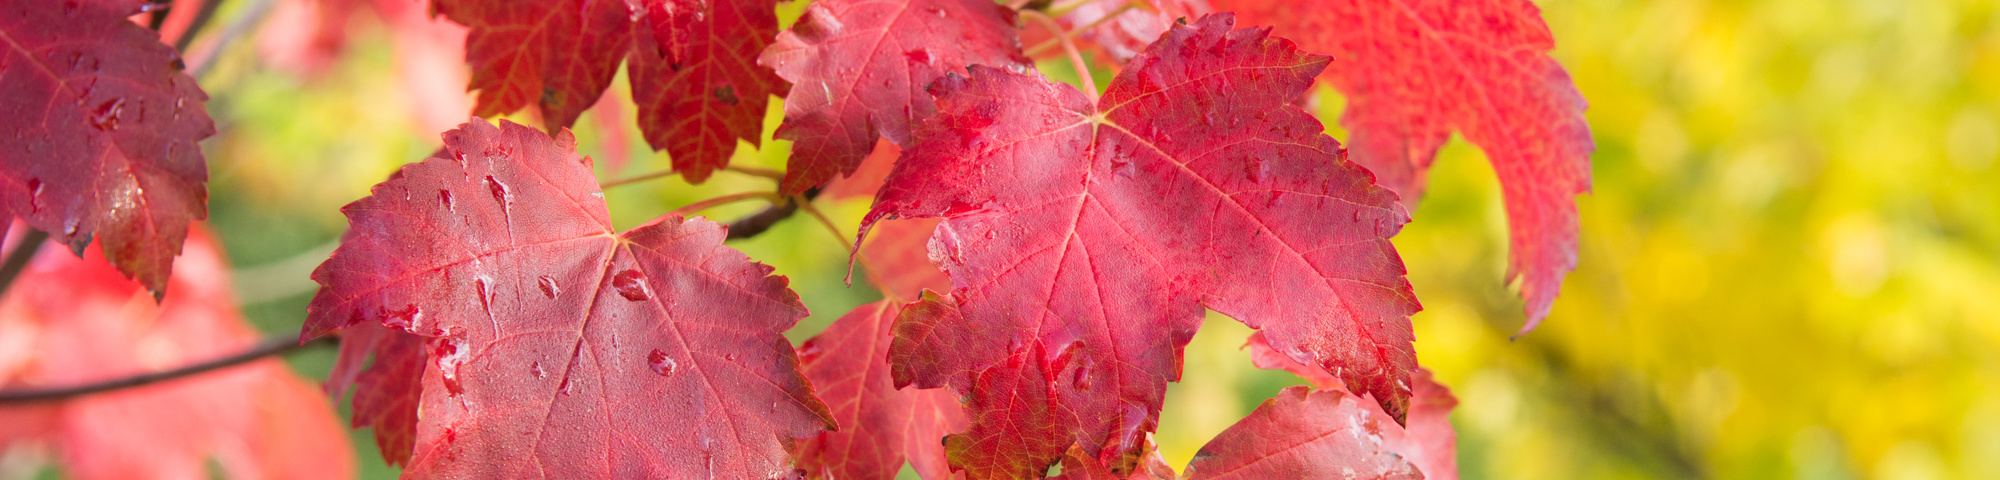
632 285
661 363
549 287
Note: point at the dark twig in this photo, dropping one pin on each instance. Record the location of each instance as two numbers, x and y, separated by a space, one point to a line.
274 345
17 258
757 223
252 15
159 17
201 19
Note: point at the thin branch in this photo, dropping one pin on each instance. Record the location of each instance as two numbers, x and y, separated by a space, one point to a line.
759 222
725 200
1075 57
1040 48
639 178
159 14
201 19
17 258
1058 9
244 22
282 278
751 171
756 172
823 221
274 345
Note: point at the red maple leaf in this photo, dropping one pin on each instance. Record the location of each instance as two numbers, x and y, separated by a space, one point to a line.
695 77
1426 441
387 391
1078 465
557 346
558 54
103 126
895 253
1416 70
881 426
73 320
1084 240
859 69
1303 434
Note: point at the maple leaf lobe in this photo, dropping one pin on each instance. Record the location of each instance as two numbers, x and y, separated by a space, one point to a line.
556 346
1303 434
1414 72
105 127
859 70
881 426
559 55
1083 242
695 78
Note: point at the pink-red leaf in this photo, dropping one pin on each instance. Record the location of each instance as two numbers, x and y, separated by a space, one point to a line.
103 126
558 54
1427 441
73 320
557 346
1303 434
1416 70
859 69
696 79
387 391
1078 465
880 426
1083 242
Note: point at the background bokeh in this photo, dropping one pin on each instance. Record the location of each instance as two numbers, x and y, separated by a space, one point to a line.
1790 262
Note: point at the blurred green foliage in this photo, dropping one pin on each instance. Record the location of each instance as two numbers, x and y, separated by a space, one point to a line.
1790 262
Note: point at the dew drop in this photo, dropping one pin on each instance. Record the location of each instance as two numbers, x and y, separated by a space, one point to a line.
564 388
405 318
482 284
499 190
69 226
450 353
661 363
632 285
35 194
549 287
105 116
536 369
445 197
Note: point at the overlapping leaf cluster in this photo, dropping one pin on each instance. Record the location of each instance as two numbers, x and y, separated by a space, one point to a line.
496 326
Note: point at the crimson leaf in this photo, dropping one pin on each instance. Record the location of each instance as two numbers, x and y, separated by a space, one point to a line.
1303 434
1428 441
558 54
104 126
696 79
1084 240
558 347
1417 71
387 391
859 68
881 426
